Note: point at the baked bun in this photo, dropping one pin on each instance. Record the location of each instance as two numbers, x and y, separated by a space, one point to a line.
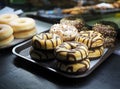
76 68
91 38
66 32
71 52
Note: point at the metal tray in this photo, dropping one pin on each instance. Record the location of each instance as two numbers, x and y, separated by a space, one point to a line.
22 50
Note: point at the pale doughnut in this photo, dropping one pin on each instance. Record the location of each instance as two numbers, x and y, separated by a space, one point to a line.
67 32
71 52
25 34
22 24
5 31
6 41
7 18
46 41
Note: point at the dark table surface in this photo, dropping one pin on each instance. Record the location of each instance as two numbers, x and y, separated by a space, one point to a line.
18 73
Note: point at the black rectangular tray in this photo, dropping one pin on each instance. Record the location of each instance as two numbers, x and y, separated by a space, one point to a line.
22 50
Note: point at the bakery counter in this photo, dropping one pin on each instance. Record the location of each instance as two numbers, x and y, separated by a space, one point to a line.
18 73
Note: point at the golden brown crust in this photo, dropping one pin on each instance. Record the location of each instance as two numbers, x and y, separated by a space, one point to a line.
46 41
91 38
71 52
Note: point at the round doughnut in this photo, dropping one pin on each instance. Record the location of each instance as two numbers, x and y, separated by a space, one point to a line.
96 53
41 55
7 18
71 52
6 41
22 24
5 31
67 32
46 41
25 34
76 68
72 20
91 38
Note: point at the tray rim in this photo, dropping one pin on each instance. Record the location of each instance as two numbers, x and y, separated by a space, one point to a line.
104 57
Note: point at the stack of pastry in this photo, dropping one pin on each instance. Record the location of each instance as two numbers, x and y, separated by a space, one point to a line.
108 30
94 41
23 27
6 35
43 46
72 57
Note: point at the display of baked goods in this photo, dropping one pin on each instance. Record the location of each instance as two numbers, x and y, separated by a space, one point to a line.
13 27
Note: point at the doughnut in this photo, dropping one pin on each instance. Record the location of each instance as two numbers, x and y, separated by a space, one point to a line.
6 41
66 32
71 52
76 68
22 24
41 55
72 20
7 18
96 53
91 38
5 31
25 34
46 41
105 30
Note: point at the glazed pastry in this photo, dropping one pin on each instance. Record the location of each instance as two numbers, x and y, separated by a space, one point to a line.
6 35
71 52
91 38
75 21
41 55
46 41
76 68
66 32
23 27
96 53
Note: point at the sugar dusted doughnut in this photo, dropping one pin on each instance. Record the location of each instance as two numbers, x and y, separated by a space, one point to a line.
22 24
71 52
6 41
46 41
67 32
91 38
5 31
7 18
76 68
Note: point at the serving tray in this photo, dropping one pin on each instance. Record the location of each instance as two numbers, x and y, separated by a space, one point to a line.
22 50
